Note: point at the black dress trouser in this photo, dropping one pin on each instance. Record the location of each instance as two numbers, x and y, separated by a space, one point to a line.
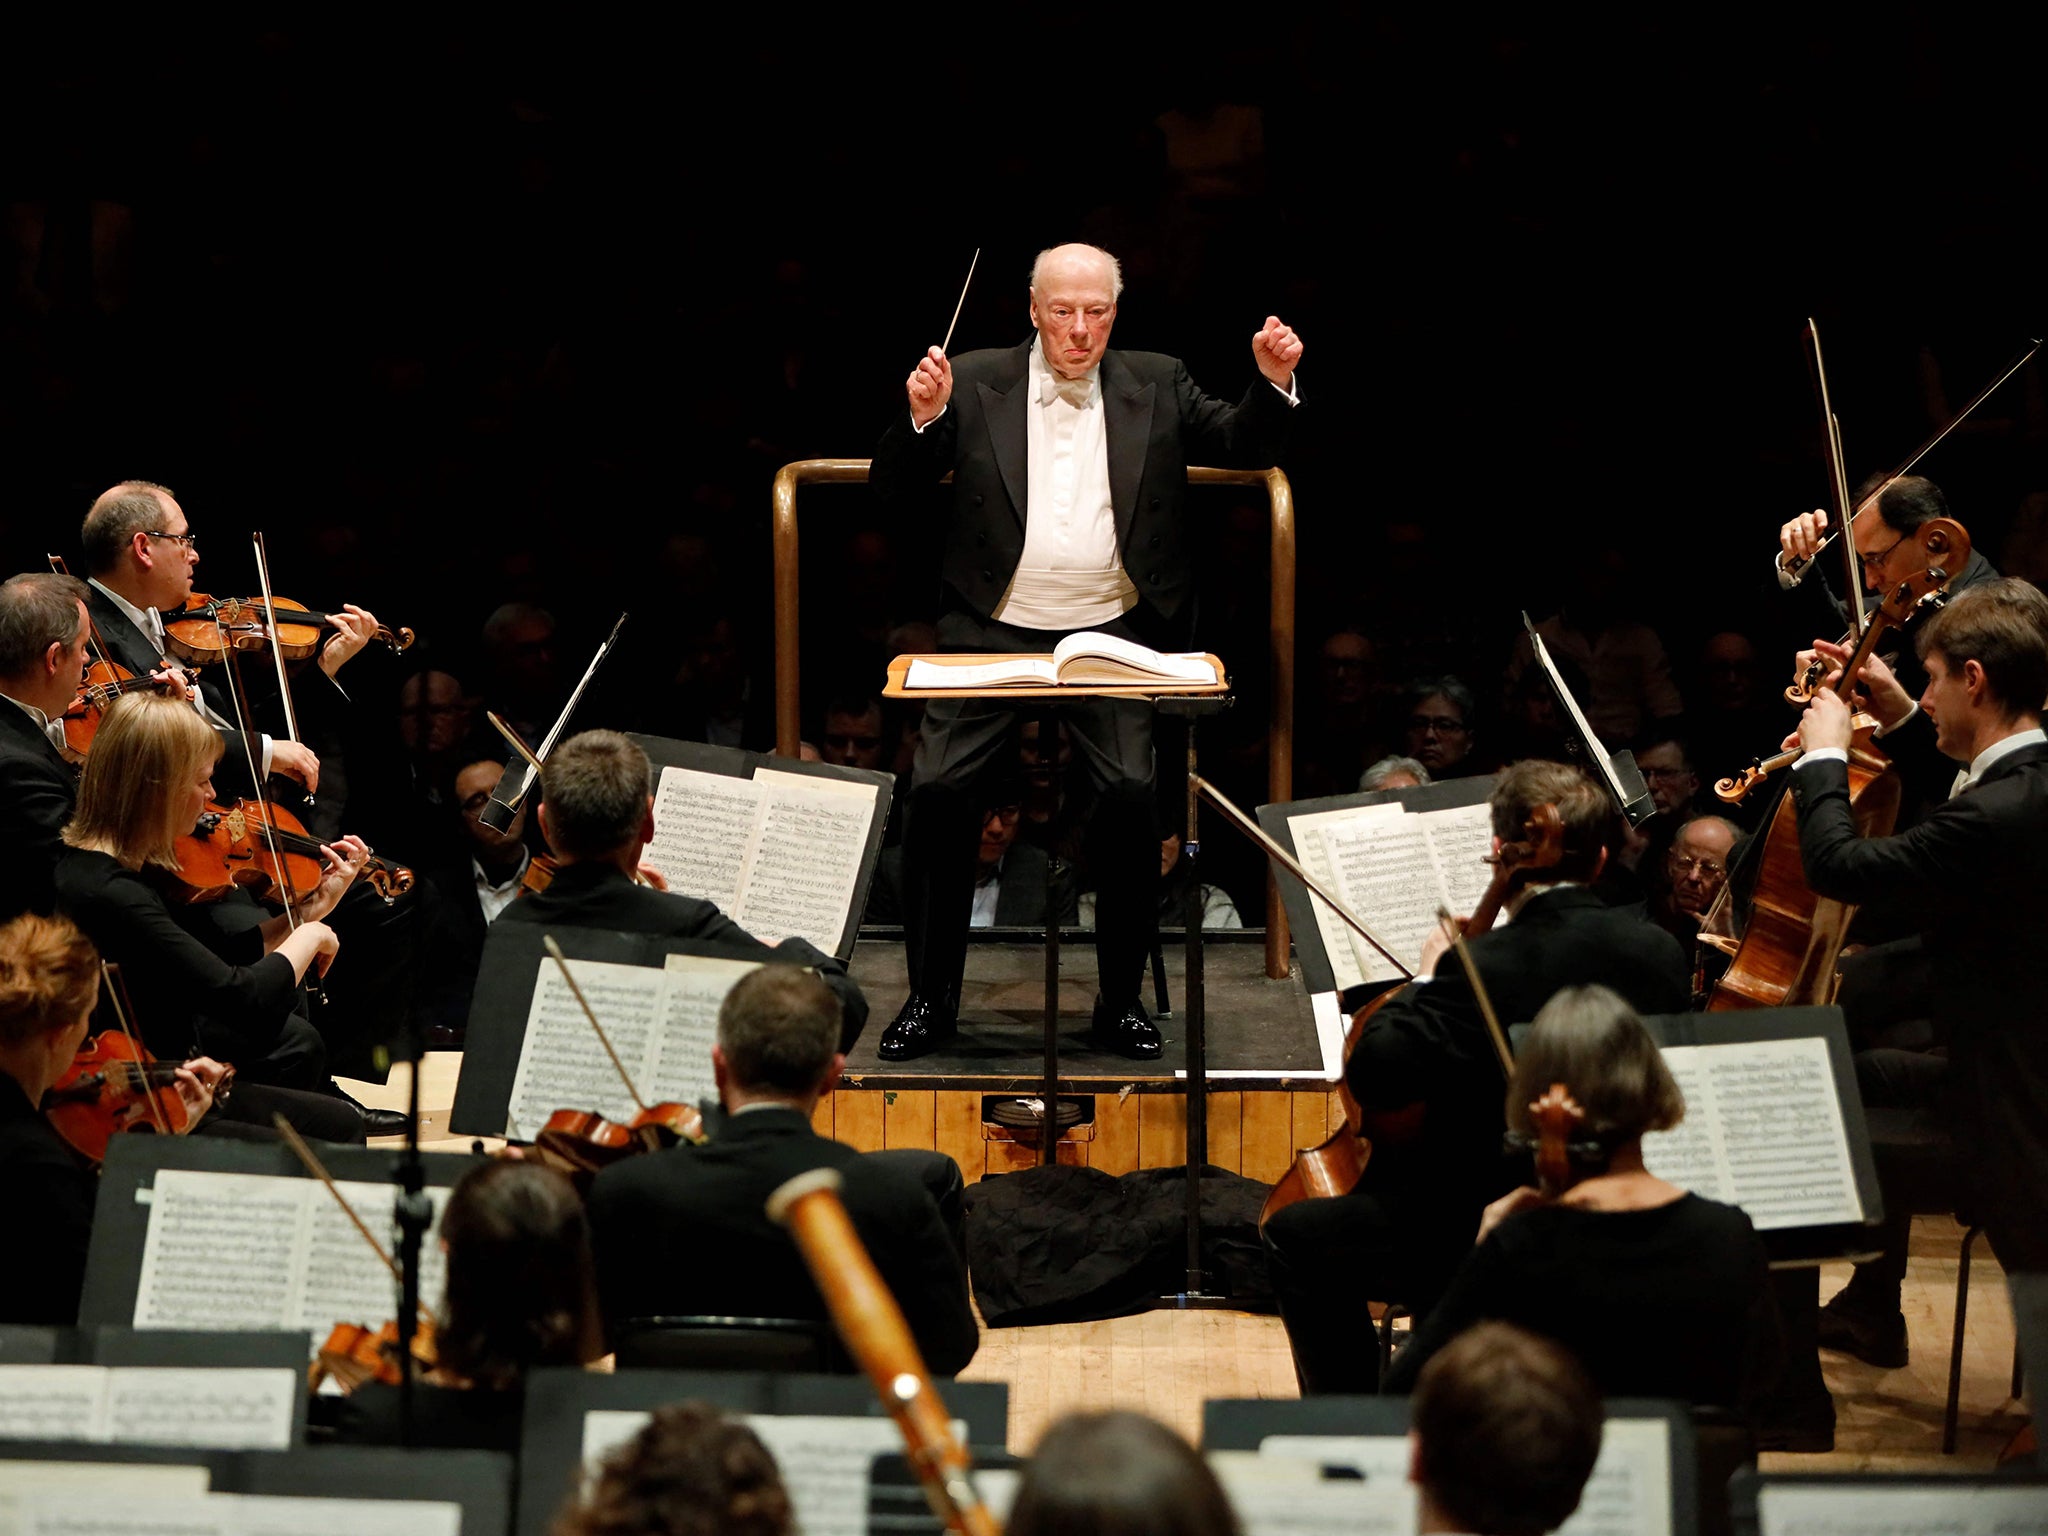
964 743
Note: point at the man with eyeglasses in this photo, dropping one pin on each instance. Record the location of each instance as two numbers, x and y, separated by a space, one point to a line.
140 553
1694 871
1888 515
1438 726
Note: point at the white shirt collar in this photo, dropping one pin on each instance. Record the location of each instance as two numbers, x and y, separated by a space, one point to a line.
53 730
145 619
510 882
1041 373
1982 762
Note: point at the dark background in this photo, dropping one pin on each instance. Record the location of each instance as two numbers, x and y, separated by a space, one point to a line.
461 313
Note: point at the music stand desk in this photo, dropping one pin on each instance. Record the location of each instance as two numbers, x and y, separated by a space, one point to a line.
1187 701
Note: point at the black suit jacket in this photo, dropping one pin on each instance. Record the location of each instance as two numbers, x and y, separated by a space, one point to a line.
1430 1045
131 648
37 793
46 1200
1155 420
601 896
686 1232
1973 869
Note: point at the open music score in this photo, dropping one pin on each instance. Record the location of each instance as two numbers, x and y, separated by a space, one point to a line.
779 853
1394 868
267 1252
118 1511
662 1021
223 1408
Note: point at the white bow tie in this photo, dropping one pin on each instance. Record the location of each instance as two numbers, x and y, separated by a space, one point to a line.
1076 392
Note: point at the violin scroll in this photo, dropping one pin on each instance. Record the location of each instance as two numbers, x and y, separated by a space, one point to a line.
1557 1118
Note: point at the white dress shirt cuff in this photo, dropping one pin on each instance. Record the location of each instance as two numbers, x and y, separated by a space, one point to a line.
920 430
1292 390
1822 755
266 755
1886 730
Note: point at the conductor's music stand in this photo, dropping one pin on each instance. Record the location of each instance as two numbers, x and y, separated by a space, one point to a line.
1188 702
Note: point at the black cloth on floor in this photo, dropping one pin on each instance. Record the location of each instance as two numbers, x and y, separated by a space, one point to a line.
46 1199
1063 1244
1670 1302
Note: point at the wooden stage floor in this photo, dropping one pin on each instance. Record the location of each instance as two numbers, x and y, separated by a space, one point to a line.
1166 1363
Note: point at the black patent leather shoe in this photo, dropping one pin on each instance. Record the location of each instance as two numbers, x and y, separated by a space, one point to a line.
1126 1030
385 1122
920 1027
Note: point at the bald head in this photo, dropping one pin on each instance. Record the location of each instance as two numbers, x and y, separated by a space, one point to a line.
1077 262
1073 305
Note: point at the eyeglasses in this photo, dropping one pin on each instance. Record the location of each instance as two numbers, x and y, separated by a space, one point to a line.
1705 869
1423 725
189 540
1871 562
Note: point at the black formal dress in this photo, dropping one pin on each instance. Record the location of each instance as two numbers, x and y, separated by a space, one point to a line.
46 1200
190 999
1401 1233
686 1232
1973 870
597 895
37 792
1155 422
1670 1302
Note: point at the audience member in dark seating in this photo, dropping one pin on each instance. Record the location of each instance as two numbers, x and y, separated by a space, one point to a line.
1504 1428
1340 725
521 1293
1118 1474
1623 659
691 1471
1438 728
1394 773
686 1232
472 881
1694 871
1658 1292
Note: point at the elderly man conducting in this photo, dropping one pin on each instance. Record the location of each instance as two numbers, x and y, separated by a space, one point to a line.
1069 466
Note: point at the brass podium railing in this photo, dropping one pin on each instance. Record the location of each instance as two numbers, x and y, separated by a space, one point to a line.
1280 649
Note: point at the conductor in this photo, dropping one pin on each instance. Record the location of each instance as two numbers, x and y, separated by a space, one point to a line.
1069 466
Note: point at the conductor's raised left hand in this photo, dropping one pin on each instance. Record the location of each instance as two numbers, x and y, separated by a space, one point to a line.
1276 350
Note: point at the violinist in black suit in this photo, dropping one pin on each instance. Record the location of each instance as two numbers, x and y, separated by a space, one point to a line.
140 554
597 812
42 657
1973 868
1402 1231
686 1232
1069 467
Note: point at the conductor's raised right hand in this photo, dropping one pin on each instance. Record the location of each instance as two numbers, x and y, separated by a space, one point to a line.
1800 538
929 387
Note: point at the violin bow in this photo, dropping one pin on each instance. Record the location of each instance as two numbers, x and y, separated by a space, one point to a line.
1288 862
562 960
1838 479
117 995
313 1165
508 808
1493 1029
1795 565
284 690
93 642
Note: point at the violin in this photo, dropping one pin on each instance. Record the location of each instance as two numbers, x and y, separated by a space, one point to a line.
205 629
354 1354
540 873
263 846
114 1085
104 682
582 1144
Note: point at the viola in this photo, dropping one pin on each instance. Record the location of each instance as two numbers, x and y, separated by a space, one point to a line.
262 846
582 1144
203 631
1557 1117
354 1354
113 1085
